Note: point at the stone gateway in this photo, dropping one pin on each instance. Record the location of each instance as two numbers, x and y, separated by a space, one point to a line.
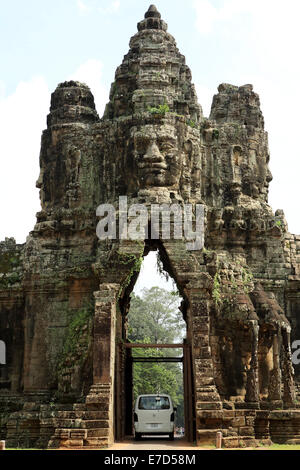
65 294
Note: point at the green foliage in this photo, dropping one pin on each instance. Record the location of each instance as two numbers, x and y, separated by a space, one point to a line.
247 278
162 109
204 124
156 316
283 447
75 340
191 123
136 262
216 294
234 286
154 377
160 268
216 134
9 261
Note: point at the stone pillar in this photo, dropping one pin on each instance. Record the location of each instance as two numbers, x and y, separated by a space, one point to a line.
104 333
100 397
287 369
275 395
252 388
207 396
207 399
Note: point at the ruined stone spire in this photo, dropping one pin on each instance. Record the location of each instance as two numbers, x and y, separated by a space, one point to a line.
152 20
152 12
72 102
153 74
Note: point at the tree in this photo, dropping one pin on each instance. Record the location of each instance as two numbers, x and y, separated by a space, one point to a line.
156 315
154 377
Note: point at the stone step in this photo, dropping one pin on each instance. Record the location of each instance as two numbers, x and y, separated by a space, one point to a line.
75 434
78 433
294 441
241 441
207 436
79 407
95 442
95 424
56 407
68 423
284 436
210 432
98 433
82 424
71 443
85 415
98 406
211 414
206 405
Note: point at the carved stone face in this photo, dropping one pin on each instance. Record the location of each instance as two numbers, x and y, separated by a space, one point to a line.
157 155
263 176
257 175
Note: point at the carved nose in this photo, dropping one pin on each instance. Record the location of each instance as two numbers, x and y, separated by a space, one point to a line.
269 177
39 182
153 154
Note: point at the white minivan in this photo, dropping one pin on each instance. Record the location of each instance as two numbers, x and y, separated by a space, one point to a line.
154 415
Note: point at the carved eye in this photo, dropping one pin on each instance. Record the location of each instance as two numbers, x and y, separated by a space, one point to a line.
167 148
141 146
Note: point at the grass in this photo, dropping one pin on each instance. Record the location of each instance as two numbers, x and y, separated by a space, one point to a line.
283 447
21 448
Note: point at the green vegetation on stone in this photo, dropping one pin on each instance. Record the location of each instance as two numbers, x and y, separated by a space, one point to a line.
77 336
216 293
216 134
162 109
136 262
191 123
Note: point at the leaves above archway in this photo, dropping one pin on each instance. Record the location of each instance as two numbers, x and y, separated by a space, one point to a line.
155 315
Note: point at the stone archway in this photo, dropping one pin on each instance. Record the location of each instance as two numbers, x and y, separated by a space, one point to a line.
112 304
123 419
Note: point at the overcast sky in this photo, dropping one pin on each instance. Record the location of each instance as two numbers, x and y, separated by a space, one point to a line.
43 43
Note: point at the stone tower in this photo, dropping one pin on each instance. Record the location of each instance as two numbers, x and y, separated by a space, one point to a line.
65 294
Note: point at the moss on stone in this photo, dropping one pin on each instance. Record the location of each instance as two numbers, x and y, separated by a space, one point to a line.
77 337
216 293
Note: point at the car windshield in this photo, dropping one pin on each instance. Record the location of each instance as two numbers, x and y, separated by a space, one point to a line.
154 403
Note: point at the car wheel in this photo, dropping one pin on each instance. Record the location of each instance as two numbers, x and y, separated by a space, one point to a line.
171 436
137 436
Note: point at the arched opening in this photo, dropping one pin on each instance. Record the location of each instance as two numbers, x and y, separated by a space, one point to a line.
154 356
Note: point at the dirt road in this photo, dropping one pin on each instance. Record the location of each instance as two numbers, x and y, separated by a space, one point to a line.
158 443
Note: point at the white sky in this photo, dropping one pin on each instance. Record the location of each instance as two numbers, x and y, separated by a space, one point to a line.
149 276
234 41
